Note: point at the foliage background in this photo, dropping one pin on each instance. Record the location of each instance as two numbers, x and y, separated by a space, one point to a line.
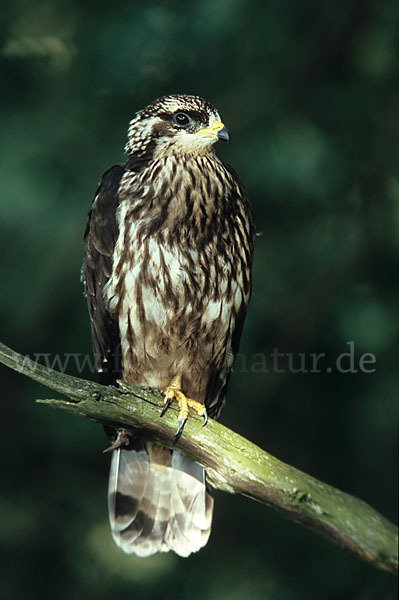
307 91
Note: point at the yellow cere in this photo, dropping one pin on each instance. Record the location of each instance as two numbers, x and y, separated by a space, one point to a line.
212 130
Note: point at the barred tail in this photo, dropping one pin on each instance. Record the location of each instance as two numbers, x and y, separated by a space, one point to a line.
158 501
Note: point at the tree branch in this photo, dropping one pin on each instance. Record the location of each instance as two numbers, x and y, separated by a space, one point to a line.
233 464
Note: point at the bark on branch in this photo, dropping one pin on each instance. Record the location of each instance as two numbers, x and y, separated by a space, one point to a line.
233 463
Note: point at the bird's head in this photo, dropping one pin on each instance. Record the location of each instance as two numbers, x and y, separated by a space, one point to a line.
173 125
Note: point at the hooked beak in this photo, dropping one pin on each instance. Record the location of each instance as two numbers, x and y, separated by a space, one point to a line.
217 131
224 135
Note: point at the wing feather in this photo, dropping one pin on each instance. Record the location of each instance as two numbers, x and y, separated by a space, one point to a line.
100 239
219 379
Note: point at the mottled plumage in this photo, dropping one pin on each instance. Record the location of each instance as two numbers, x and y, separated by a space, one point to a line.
167 272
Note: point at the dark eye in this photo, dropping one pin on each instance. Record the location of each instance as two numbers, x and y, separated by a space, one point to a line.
181 119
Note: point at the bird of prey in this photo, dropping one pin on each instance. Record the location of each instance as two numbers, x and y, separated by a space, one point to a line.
167 274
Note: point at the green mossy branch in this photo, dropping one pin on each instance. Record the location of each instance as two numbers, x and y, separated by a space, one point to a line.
233 464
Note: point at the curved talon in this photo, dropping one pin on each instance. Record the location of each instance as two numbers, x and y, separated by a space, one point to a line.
179 431
166 405
205 418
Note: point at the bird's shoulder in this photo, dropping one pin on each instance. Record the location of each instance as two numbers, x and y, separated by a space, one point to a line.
239 193
106 196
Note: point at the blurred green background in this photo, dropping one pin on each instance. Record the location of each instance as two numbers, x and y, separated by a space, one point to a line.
306 89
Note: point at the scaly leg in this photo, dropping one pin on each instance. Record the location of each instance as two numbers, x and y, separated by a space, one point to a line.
173 392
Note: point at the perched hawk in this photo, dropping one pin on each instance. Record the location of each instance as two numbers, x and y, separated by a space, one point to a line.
167 272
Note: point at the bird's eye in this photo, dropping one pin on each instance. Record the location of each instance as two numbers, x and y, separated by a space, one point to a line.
181 119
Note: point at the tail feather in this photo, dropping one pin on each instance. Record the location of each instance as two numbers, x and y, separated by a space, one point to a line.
158 502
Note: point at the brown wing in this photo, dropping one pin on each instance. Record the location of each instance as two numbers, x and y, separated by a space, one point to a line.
240 205
100 238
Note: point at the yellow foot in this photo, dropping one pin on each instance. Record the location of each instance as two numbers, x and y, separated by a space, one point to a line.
173 392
